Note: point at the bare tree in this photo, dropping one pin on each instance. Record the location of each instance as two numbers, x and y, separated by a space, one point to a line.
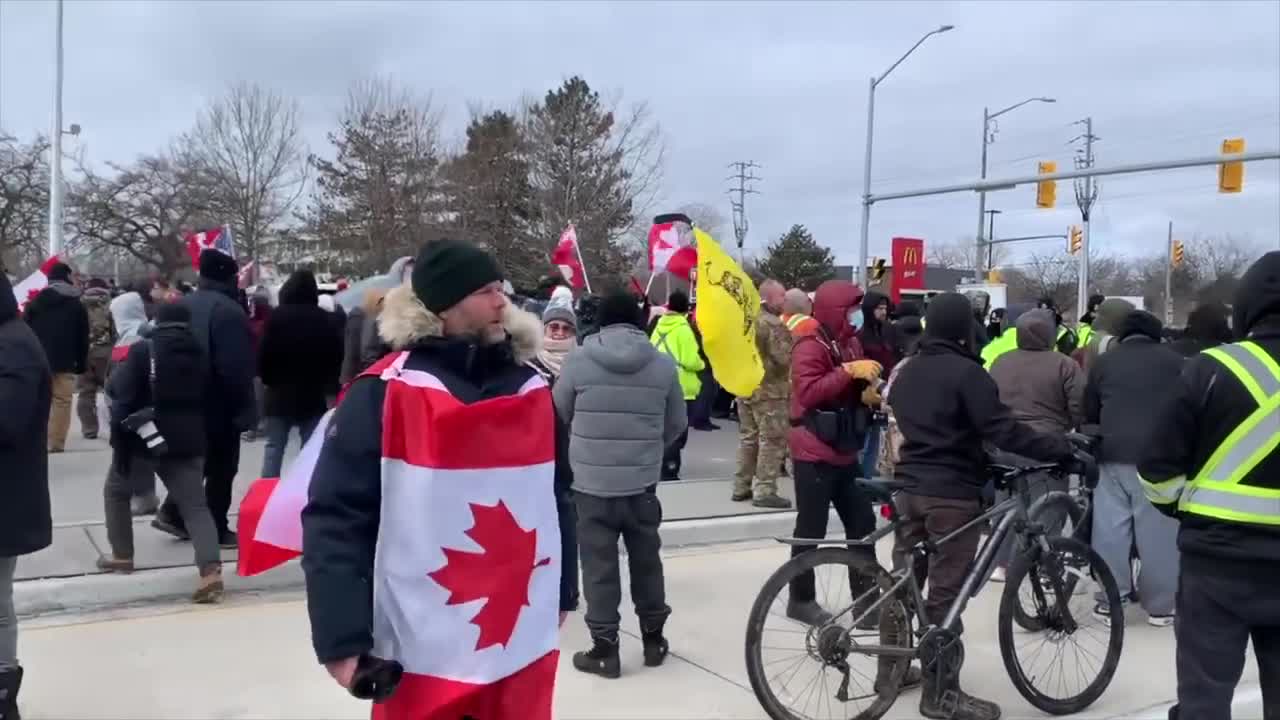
962 254
1044 275
248 153
24 200
381 195
705 216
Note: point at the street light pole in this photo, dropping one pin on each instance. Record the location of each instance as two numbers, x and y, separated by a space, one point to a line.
860 272
55 147
991 238
987 139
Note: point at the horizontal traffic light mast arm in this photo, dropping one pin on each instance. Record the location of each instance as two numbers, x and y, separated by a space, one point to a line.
997 241
992 185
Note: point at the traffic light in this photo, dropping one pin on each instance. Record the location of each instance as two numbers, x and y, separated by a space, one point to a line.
1231 174
1075 241
994 276
1047 190
877 269
1178 253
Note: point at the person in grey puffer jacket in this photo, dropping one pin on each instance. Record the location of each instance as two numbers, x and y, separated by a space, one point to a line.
624 407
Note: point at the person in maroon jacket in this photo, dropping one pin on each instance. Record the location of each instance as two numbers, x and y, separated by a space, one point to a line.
828 373
879 340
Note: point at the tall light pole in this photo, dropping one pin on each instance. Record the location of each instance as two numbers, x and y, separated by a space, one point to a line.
55 146
860 272
989 137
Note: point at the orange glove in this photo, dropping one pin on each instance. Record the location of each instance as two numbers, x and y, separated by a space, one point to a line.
868 370
871 397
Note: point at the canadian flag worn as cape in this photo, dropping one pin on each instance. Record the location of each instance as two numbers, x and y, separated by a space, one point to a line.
467 572
26 291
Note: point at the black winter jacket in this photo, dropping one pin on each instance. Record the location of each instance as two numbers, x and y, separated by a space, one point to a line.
221 326
301 353
1122 391
61 322
178 395
26 389
340 522
947 407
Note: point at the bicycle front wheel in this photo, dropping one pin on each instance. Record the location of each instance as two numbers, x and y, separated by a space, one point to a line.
803 666
1066 664
1052 511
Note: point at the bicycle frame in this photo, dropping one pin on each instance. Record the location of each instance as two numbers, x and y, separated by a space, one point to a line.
1010 511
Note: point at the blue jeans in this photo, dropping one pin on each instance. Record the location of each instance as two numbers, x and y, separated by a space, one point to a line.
871 451
278 430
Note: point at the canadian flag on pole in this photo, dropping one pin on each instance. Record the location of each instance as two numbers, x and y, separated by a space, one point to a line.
670 248
467 572
568 258
25 291
218 238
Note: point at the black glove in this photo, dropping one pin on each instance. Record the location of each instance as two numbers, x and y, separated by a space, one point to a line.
375 679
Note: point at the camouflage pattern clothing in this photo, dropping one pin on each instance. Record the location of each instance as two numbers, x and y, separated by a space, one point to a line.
102 336
763 418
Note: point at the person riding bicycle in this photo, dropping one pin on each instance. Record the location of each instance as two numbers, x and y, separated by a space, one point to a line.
947 407
1211 461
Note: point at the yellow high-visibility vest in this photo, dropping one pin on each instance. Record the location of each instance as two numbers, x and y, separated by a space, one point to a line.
1227 488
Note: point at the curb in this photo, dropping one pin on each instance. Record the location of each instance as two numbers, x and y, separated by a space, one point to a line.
110 591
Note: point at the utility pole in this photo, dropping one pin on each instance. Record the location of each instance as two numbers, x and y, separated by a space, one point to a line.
989 130
55 145
1168 279
1086 194
744 175
991 238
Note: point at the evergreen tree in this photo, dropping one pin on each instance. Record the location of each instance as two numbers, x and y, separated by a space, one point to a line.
795 259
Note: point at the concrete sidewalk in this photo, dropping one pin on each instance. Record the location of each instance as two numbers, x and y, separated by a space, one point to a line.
251 658
79 536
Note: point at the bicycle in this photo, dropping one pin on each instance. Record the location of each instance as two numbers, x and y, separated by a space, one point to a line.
1052 565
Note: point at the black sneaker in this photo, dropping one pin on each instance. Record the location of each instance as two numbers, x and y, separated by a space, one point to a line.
601 659
655 649
228 540
1102 610
165 525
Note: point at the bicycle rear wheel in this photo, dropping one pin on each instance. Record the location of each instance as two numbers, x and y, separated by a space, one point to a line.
1050 511
802 672
1067 627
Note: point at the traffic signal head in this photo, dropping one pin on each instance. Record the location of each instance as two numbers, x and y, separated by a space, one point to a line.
1178 253
1047 190
877 269
1075 240
1231 174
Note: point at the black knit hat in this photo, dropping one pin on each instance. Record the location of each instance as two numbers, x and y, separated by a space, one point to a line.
447 271
218 266
619 307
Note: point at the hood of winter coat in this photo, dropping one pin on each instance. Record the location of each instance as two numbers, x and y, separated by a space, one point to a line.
1258 295
1110 315
129 314
831 304
623 349
8 303
870 302
950 318
97 296
404 320
1208 324
1141 323
670 321
65 289
1037 330
300 289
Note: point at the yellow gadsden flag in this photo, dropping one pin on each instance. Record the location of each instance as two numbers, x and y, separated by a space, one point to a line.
728 304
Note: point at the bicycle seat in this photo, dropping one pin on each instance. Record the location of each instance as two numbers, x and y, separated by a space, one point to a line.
880 490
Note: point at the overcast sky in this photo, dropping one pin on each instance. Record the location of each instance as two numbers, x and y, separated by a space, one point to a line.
782 84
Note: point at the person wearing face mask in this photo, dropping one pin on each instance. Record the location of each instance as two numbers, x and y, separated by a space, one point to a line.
831 383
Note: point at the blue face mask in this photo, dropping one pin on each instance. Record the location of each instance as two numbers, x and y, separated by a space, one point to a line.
855 318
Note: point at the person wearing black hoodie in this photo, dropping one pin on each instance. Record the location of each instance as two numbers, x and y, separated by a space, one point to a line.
61 322
947 407
1122 385
163 374
221 327
26 523
1206 328
879 341
299 360
1197 467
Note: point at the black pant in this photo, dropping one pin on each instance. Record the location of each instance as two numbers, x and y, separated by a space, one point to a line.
221 463
671 459
601 521
818 487
700 409
926 518
1219 610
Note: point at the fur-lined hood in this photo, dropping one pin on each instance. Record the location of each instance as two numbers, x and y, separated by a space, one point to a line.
404 320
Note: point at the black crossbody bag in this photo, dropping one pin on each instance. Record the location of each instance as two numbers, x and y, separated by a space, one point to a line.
843 429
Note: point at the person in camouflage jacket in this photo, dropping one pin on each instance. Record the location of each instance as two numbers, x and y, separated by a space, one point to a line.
102 336
762 418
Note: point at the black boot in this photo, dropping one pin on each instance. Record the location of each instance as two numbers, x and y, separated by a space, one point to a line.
601 659
944 700
655 647
10 682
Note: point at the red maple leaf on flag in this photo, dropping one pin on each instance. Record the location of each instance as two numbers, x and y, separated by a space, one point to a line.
499 574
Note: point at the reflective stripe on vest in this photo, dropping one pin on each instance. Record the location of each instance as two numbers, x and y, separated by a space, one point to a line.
1217 490
794 321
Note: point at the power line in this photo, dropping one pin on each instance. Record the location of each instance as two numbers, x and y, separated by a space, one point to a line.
744 176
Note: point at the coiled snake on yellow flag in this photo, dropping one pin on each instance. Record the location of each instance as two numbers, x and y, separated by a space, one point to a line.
728 305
